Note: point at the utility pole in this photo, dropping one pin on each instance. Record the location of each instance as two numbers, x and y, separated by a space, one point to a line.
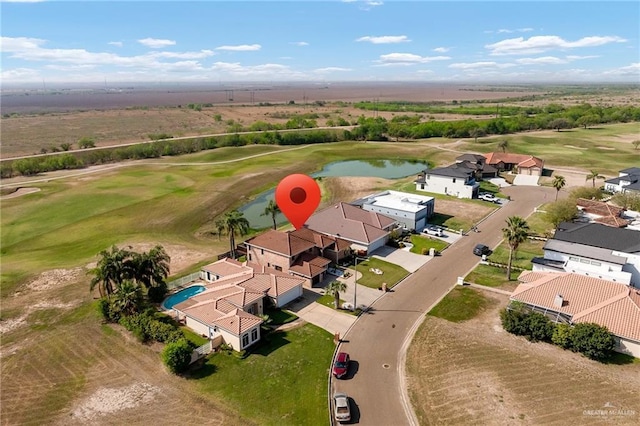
355 286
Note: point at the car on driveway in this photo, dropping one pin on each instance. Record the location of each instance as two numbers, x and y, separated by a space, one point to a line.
488 197
481 249
341 408
341 365
433 230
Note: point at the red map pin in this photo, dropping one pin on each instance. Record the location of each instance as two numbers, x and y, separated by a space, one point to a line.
298 196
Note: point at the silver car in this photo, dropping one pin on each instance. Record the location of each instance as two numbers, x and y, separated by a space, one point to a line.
341 408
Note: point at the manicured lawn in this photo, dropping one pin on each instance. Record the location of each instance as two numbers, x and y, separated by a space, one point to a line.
522 257
193 337
391 273
461 304
422 242
281 316
282 382
492 276
538 225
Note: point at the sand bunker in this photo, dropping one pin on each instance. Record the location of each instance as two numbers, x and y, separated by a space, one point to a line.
574 147
19 192
110 400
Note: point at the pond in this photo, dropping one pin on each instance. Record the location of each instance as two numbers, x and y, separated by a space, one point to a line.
388 169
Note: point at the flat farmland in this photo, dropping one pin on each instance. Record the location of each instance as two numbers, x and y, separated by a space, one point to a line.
473 372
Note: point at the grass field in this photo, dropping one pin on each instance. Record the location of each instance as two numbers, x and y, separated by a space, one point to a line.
472 372
492 276
461 304
420 242
391 273
521 257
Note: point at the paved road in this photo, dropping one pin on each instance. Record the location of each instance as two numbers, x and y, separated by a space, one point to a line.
376 340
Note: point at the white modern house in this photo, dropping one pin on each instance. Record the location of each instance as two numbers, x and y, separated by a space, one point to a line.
594 250
627 180
451 180
411 211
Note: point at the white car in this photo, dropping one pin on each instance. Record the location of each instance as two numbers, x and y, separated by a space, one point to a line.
341 408
489 197
433 230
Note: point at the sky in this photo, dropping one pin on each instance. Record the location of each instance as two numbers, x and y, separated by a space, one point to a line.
323 41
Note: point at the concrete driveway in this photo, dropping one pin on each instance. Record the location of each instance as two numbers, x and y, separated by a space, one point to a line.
409 261
332 320
526 180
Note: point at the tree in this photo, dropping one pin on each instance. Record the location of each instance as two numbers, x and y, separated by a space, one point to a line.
65 146
561 211
560 123
636 144
234 223
558 183
150 268
272 210
335 288
128 298
475 133
627 200
587 120
592 340
177 356
593 175
112 269
86 142
503 145
515 233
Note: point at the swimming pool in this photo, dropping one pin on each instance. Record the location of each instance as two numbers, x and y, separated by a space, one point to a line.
182 295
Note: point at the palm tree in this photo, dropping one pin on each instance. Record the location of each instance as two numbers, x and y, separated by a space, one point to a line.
272 210
151 268
234 223
503 145
515 233
593 175
335 288
111 270
219 227
128 298
558 183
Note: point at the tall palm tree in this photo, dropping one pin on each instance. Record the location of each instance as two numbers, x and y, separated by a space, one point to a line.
128 298
503 145
151 268
335 288
272 210
515 233
112 268
593 175
219 227
558 183
234 223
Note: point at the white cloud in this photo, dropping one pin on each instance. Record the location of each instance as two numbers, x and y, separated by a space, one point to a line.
629 70
539 44
183 55
476 65
240 47
115 43
384 39
408 59
547 60
14 44
507 31
156 43
299 43
331 69
441 49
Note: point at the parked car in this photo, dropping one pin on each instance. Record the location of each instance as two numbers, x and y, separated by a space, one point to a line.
433 230
341 365
481 249
341 408
489 197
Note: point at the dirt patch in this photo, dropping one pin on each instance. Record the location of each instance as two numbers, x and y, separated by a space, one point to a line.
110 400
574 147
351 188
181 256
54 278
19 192
475 373
608 148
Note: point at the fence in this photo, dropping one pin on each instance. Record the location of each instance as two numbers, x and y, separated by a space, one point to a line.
201 351
184 280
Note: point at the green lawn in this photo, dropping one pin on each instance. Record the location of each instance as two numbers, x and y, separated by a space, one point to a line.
391 273
281 316
492 276
422 242
461 304
522 257
281 382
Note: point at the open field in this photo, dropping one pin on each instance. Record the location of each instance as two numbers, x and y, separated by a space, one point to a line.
474 373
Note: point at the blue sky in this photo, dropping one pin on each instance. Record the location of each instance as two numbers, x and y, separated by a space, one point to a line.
215 41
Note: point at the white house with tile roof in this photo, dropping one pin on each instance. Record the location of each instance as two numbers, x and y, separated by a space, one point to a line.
573 298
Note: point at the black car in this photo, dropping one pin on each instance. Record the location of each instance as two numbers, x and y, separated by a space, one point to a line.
481 249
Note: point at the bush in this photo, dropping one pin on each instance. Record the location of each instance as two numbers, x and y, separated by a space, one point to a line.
562 336
108 311
592 340
157 294
514 320
146 327
538 327
177 356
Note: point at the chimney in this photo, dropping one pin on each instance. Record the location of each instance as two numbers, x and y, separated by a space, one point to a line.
558 301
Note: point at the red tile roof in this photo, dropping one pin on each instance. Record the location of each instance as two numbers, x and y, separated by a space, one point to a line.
238 321
522 160
285 243
608 214
586 299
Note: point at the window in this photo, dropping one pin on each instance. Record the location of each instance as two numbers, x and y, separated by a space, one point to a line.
277 268
594 263
245 340
261 251
454 180
250 256
254 334
422 186
573 258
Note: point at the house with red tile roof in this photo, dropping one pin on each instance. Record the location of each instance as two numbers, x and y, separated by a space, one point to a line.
602 212
573 298
521 163
365 231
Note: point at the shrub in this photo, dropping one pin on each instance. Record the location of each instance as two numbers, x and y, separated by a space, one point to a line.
592 340
562 336
157 294
106 309
177 356
538 327
514 320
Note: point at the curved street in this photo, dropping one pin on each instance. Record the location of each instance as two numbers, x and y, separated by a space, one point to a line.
378 340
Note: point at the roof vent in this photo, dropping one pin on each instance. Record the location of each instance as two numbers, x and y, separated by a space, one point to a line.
558 301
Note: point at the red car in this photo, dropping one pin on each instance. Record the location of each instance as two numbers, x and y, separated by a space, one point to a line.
341 365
